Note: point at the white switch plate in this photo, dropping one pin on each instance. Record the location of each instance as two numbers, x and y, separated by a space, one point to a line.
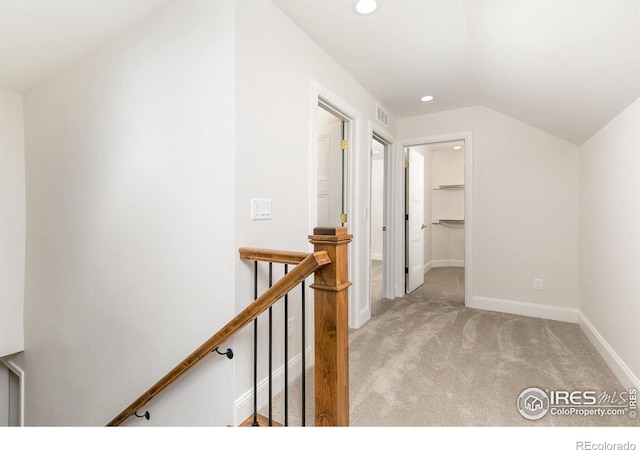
260 209
537 284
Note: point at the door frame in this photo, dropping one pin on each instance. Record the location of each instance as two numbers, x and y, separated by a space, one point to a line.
17 371
388 264
398 224
323 96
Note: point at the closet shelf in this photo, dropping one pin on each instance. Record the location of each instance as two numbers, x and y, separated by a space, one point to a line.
447 221
448 186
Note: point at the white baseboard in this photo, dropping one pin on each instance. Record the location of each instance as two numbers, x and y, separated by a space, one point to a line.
243 405
427 267
626 377
447 263
524 309
364 315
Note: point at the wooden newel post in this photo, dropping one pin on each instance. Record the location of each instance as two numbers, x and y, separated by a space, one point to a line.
331 317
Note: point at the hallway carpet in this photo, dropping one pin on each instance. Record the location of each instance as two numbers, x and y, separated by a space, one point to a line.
427 360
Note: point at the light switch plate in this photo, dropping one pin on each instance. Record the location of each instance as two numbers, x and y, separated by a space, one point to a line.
260 209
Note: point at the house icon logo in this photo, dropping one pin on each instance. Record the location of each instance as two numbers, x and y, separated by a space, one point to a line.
533 403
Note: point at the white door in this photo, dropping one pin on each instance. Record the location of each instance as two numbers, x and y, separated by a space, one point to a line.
330 170
415 221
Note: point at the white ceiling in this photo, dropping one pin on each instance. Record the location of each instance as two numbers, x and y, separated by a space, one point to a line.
565 66
40 37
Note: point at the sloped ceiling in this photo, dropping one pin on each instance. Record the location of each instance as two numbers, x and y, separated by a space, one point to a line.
40 37
565 66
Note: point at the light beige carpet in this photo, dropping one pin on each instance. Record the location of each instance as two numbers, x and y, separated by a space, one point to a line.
427 360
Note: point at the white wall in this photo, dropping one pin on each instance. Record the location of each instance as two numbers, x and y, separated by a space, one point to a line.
526 209
277 67
447 168
130 223
610 242
12 222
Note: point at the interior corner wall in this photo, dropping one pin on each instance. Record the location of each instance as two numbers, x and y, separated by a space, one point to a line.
277 66
526 210
610 242
12 222
130 223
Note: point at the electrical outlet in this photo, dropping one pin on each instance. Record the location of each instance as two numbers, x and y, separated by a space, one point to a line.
290 327
537 284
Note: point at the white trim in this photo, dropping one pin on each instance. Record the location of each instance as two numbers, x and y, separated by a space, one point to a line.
524 309
398 225
625 375
389 261
387 244
447 263
17 370
387 266
322 95
365 313
428 266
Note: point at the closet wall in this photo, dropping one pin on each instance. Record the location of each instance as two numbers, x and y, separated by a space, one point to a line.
446 194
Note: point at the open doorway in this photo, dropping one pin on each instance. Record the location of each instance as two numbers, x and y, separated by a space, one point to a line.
11 394
332 175
379 148
438 210
332 195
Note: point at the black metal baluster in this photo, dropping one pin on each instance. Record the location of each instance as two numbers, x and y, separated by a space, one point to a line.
255 350
304 365
286 353
270 351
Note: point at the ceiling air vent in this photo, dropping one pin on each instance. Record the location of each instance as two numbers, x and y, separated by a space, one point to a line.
382 116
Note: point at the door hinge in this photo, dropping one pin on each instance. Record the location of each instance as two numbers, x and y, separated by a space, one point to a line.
343 218
406 270
406 217
345 144
406 164
384 228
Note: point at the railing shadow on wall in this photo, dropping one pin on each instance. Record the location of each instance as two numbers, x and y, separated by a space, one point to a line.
329 266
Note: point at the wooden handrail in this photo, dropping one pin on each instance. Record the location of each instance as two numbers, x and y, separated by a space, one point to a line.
275 256
303 270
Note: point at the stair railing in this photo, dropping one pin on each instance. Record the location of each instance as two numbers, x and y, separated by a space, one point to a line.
329 265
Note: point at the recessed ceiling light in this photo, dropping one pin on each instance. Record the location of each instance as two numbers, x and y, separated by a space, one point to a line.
457 147
426 98
365 7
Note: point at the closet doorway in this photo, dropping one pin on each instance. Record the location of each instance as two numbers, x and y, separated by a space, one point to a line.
435 211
